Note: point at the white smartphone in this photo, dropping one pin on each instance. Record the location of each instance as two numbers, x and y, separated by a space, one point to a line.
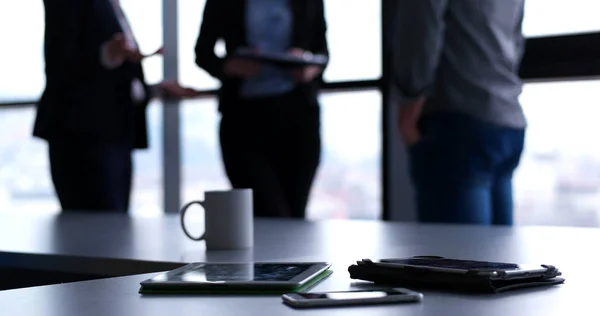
360 297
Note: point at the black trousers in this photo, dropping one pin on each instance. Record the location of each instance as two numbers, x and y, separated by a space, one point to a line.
273 146
91 177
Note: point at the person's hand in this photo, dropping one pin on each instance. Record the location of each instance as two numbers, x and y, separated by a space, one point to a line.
117 49
408 119
304 74
172 89
159 51
241 68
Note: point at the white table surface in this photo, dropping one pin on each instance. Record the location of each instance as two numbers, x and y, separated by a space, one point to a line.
97 243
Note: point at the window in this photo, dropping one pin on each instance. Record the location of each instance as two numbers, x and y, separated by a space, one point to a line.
25 183
22 76
348 183
558 180
201 168
190 18
22 63
146 24
557 17
355 48
147 187
354 35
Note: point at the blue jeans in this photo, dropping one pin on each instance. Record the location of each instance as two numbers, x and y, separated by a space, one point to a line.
462 170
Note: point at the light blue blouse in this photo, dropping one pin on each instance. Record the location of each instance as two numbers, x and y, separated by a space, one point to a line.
269 29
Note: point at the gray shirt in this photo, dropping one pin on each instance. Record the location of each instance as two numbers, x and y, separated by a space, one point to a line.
463 55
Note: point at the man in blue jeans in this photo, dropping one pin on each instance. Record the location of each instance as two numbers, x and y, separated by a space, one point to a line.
456 78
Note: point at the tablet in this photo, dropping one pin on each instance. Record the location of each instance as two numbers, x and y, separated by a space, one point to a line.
282 59
237 276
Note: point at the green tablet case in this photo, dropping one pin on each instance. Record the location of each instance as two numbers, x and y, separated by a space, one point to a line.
231 291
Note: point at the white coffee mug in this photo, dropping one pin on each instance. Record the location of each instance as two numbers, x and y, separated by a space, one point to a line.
229 219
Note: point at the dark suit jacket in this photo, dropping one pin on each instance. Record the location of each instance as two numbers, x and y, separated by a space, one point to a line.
225 19
83 101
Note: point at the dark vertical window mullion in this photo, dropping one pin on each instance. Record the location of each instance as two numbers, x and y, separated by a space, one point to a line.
386 156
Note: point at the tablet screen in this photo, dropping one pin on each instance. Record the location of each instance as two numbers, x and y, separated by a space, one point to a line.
242 272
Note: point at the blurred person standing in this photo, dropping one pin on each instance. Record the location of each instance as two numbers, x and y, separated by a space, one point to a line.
456 77
270 116
93 110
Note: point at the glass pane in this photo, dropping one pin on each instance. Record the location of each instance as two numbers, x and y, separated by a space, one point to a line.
558 181
145 18
555 17
147 189
190 16
348 183
201 168
25 183
355 48
22 76
354 35
22 63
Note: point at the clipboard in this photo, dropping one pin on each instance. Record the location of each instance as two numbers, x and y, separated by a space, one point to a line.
283 60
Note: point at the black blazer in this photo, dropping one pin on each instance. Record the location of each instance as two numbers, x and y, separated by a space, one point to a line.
225 19
83 101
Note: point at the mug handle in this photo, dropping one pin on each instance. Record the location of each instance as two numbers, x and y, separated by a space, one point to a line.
182 220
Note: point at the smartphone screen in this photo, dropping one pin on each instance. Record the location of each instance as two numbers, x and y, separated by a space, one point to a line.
374 296
351 295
